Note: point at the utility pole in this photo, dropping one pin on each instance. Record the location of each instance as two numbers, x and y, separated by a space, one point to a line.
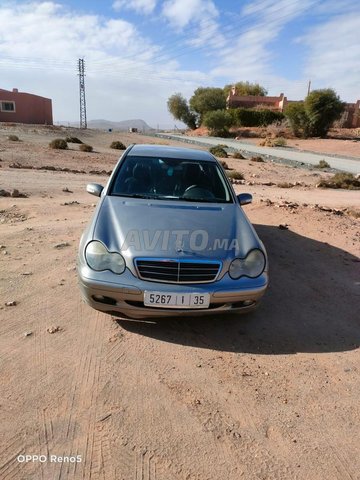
309 87
83 121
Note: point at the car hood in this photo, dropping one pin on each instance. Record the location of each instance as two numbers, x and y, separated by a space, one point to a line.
153 228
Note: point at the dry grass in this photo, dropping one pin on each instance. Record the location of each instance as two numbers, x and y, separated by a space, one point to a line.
353 213
224 164
238 155
117 145
273 142
322 164
73 140
285 185
341 180
218 151
85 148
235 175
58 144
13 138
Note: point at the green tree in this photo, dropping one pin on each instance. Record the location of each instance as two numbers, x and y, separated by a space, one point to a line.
298 119
314 116
218 122
250 117
179 108
246 88
322 108
206 100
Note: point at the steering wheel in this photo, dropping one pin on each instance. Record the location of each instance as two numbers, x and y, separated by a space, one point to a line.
191 186
198 192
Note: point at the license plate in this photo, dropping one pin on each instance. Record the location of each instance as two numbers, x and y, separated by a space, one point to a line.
176 300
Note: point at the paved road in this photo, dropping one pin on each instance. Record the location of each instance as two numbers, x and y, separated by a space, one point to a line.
339 163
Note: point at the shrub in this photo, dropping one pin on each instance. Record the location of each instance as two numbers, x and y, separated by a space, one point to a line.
278 129
298 119
279 142
257 159
117 145
316 114
341 180
218 151
85 148
322 108
73 140
285 185
267 142
238 155
322 164
249 117
272 142
218 122
235 175
353 213
13 138
224 165
58 144
246 134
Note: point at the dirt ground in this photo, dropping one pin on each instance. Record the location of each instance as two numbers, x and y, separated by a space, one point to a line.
273 395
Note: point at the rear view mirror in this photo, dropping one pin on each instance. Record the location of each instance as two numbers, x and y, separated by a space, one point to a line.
244 198
94 189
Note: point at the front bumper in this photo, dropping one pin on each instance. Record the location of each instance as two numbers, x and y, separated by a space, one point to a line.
123 295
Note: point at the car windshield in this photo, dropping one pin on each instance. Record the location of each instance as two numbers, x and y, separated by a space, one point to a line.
171 179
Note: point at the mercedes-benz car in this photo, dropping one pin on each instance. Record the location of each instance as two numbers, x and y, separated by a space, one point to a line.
169 237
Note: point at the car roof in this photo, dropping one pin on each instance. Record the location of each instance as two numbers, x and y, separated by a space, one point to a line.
170 152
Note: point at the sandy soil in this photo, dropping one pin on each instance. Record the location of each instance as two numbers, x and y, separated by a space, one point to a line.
272 395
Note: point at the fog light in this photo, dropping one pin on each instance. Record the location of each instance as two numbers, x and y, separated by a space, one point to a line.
98 298
103 299
247 303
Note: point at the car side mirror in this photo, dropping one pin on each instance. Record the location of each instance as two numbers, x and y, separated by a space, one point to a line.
94 189
244 198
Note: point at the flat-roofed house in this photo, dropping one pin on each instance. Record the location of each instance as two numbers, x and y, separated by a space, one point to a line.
21 107
350 118
253 101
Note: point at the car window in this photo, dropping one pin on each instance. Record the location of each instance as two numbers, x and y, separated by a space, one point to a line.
171 179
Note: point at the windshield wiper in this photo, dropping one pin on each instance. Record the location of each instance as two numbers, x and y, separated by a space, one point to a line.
135 195
203 200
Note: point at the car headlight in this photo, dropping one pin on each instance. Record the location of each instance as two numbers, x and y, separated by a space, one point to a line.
100 259
251 266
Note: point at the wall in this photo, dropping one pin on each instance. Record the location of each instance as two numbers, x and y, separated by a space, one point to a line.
29 108
251 101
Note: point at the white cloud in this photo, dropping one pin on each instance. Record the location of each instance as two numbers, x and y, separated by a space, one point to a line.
128 75
124 77
249 56
333 55
202 15
182 12
140 6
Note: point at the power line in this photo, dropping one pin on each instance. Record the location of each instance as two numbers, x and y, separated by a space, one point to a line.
264 24
139 71
273 18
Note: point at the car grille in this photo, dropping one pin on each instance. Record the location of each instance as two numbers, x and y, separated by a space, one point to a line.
177 271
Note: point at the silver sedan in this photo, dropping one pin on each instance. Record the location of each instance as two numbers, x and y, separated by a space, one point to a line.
169 237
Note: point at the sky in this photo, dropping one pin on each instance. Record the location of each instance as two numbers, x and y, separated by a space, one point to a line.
137 53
